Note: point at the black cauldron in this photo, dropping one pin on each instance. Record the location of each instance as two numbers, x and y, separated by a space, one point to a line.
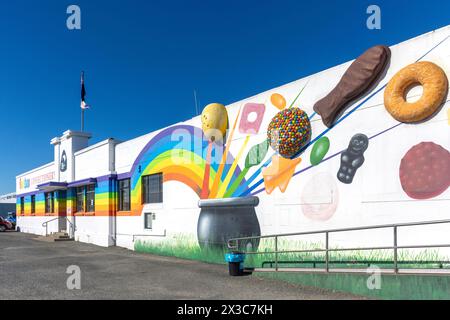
223 219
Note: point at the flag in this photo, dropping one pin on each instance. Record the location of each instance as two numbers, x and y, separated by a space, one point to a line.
83 104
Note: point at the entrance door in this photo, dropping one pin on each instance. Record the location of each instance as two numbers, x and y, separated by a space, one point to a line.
62 213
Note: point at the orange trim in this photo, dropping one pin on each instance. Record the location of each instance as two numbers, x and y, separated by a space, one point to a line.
136 213
124 213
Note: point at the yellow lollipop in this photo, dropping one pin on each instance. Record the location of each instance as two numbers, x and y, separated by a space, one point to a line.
214 121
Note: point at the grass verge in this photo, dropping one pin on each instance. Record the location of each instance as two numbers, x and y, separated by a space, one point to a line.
392 286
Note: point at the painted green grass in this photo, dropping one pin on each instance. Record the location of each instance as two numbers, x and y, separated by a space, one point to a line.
181 246
186 247
351 258
393 287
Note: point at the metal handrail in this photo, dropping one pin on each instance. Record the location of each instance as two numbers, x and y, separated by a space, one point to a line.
381 226
441 263
45 224
233 244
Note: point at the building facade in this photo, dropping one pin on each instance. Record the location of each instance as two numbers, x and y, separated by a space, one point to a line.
7 204
148 188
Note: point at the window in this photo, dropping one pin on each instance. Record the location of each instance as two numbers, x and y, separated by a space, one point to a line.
85 198
152 189
33 204
124 195
80 199
49 202
148 217
90 198
22 205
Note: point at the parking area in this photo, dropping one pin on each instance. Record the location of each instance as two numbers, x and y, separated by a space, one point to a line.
32 269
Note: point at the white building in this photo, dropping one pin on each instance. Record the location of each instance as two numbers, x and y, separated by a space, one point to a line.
7 204
149 187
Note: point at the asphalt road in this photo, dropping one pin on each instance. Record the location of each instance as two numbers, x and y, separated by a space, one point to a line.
31 269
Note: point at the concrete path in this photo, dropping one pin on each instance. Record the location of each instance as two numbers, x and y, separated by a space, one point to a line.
31 269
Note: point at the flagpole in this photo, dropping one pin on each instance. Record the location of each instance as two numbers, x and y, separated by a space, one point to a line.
82 98
82 119
195 101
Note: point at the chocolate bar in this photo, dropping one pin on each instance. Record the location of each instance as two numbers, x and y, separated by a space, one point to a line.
355 82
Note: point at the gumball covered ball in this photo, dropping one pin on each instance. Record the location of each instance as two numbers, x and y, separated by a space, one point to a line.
289 131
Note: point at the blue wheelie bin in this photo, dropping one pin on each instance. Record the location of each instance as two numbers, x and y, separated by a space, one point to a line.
235 263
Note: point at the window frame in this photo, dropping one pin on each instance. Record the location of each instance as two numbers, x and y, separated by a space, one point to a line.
77 193
81 192
52 202
121 204
22 205
87 192
148 216
160 193
33 204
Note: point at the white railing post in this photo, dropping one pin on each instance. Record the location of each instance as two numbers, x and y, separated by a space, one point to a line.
276 253
327 258
395 251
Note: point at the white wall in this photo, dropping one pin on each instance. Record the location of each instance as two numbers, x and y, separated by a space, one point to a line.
33 225
94 161
95 230
374 198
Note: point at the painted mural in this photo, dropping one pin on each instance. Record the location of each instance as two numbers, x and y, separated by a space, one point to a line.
278 158
278 143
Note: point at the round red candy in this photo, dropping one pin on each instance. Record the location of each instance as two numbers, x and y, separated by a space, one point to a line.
425 171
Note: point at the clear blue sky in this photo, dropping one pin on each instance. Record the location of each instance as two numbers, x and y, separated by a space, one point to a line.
143 59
